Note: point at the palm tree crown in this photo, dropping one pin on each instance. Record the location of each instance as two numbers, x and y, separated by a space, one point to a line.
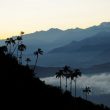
22 47
77 73
87 90
27 61
39 51
8 42
66 70
59 74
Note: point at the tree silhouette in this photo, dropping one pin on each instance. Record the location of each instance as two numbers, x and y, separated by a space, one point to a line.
27 61
87 91
59 74
77 73
10 42
72 76
66 73
3 49
21 48
37 53
19 41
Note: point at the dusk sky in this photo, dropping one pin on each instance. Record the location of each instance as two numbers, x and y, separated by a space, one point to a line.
35 15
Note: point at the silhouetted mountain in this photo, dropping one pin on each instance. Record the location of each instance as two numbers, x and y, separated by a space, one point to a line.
19 88
99 42
97 69
80 46
54 37
91 51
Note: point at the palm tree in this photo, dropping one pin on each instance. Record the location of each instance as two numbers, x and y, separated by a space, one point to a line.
8 43
66 70
19 39
72 76
87 90
27 61
37 53
77 73
13 44
21 48
59 74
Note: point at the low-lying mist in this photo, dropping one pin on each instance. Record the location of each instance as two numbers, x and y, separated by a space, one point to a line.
100 83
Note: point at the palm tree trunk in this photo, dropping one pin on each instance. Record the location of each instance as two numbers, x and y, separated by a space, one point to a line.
35 64
10 49
66 84
27 63
71 86
20 58
75 87
14 50
60 82
86 95
17 49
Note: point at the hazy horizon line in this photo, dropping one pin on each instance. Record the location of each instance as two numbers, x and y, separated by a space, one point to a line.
58 29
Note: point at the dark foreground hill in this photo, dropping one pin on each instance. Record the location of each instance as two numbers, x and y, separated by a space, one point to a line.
20 90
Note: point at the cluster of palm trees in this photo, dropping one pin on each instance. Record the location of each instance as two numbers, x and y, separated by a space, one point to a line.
68 73
15 44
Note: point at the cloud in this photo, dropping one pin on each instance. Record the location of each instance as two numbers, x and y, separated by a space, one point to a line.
100 83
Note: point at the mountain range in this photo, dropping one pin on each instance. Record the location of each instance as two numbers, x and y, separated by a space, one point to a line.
75 47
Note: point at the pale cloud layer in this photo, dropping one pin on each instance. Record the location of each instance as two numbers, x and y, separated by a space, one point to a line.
100 84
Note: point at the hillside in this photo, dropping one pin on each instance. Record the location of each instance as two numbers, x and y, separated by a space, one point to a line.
20 89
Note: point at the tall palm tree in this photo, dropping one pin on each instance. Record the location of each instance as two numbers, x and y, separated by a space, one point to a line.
27 61
13 44
66 73
8 44
37 53
21 48
72 76
77 73
59 74
87 91
19 39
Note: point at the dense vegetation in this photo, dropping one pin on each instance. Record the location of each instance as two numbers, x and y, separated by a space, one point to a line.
20 89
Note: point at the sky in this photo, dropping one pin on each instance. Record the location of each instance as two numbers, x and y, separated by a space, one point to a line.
35 15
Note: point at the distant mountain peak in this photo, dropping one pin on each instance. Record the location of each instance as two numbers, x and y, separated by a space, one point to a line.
105 24
54 29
